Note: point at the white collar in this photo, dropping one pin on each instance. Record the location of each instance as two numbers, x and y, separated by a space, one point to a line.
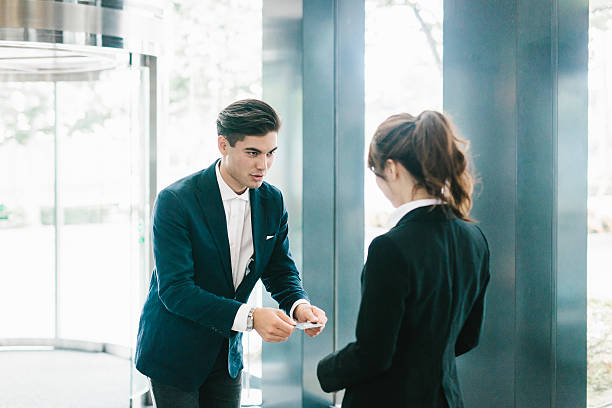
405 208
226 191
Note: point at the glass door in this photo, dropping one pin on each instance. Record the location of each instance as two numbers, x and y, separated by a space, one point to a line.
27 230
401 75
599 257
102 205
74 214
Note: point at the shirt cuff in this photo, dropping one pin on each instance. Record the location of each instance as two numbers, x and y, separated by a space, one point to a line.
240 321
296 304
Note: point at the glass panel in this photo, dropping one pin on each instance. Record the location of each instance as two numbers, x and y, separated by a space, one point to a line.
403 73
99 184
27 232
599 257
206 75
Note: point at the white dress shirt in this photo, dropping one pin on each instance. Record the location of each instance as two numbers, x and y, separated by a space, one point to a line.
240 235
405 208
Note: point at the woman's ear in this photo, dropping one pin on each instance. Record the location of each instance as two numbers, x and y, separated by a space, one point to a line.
391 170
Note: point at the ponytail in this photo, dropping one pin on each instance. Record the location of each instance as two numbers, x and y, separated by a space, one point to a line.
428 147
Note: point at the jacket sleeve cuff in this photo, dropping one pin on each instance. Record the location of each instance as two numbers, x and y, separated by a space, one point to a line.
296 304
240 320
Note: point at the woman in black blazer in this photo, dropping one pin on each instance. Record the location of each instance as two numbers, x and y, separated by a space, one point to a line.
424 281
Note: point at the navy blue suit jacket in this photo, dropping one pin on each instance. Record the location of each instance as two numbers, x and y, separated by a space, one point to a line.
191 304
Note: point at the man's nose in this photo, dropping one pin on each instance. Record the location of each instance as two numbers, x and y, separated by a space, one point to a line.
262 163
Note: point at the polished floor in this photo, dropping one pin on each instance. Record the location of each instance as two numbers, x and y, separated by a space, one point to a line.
63 379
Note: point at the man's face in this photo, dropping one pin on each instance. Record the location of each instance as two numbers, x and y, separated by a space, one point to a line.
246 163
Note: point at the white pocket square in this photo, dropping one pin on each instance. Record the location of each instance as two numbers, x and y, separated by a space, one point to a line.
269 237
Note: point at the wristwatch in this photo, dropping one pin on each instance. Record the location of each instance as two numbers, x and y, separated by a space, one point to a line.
250 319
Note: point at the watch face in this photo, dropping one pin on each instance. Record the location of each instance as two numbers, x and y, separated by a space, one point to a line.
250 320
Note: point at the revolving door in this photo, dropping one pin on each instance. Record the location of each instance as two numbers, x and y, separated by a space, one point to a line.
78 120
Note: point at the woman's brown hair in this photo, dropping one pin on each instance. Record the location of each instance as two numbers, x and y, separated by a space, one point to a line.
428 147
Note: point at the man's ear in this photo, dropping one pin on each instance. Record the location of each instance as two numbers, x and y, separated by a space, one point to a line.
222 144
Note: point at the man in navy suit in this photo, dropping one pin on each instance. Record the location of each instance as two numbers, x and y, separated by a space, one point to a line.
215 233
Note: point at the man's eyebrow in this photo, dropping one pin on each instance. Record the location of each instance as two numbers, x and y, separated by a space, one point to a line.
253 149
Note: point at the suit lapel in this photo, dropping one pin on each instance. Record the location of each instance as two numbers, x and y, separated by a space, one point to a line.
258 218
213 213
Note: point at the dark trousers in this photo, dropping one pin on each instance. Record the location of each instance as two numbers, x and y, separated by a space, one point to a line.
218 391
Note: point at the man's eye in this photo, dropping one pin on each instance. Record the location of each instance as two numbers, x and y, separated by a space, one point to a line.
270 154
252 154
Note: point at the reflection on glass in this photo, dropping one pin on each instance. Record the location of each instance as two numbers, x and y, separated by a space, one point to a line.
599 256
403 73
207 74
27 232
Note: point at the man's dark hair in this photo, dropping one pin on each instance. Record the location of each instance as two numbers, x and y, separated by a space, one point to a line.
248 117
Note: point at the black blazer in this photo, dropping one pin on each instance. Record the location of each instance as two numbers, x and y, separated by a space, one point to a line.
192 303
422 304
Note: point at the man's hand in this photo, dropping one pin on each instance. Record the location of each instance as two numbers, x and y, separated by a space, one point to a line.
309 313
273 325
